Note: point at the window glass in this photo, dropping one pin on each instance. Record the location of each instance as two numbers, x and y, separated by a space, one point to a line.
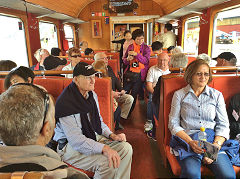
191 35
226 33
68 30
48 35
13 42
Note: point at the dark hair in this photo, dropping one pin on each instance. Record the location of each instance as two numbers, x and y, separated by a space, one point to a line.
157 46
168 26
170 48
81 43
55 51
23 72
192 68
127 31
137 33
7 65
88 51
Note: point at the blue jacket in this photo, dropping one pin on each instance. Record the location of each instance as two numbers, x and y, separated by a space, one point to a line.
231 147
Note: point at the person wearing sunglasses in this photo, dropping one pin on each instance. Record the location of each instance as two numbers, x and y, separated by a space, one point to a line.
84 140
26 126
74 55
194 106
20 74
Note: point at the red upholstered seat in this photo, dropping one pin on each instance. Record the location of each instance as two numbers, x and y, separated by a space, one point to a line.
152 61
191 59
52 85
228 85
1 85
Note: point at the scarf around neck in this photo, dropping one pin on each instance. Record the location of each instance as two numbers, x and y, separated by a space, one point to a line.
71 101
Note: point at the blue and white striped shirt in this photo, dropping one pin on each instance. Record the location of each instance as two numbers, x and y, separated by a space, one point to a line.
189 112
70 128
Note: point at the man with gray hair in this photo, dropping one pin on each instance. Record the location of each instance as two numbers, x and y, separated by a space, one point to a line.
179 60
26 126
226 59
204 57
125 100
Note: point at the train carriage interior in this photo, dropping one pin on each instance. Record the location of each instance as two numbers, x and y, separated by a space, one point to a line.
210 27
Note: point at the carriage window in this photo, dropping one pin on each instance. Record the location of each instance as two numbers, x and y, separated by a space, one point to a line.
69 35
226 33
48 35
13 42
191 35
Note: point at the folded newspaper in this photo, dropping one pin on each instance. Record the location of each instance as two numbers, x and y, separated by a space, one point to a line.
210 150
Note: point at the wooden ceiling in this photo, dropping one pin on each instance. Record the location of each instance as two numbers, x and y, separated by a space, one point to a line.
74 7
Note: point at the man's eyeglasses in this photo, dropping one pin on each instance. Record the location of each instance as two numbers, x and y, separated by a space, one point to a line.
44 95
199 74
75 56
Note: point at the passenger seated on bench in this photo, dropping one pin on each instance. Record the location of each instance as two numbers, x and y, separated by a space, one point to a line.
226 59
54 63
194 106
74 55
204 56
26 126
179 60
156 48
125 100
40 56
162 68
19 75
84 140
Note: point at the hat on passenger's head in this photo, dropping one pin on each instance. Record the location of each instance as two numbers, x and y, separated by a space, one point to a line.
225 55
52 62
84 69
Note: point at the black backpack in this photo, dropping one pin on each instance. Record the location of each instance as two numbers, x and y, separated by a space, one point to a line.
234 121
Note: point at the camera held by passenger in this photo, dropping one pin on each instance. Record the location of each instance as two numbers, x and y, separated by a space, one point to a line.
135 64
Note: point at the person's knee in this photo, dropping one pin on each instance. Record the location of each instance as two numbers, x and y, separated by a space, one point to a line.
189 172
127 148
229 174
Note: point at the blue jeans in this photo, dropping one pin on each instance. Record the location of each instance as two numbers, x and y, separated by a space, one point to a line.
149 108
133 89
222 168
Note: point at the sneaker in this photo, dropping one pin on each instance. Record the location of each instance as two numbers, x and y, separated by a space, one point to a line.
150 135
148 126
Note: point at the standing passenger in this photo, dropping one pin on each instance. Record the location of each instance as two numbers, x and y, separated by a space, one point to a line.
137 60
84 140
168 38
125 42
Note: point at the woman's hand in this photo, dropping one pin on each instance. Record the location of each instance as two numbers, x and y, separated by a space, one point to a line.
194 145
133 53
207 160
130 57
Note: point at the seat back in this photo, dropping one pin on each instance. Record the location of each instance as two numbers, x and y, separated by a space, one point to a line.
191 59
22 175
152 62
1 85
103 88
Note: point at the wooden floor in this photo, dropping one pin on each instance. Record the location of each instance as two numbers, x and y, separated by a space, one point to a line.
147 162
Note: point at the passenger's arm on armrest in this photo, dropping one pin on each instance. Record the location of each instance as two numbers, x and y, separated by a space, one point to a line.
72 129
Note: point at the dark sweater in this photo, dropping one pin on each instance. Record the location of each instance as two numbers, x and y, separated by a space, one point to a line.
116 85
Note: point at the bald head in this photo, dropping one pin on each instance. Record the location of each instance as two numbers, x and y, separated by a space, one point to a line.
163 61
